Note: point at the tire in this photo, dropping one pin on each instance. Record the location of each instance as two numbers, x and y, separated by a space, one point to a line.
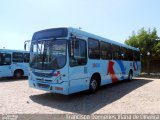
93 85
130 76
18 74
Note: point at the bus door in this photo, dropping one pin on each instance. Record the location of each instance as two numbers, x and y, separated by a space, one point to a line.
5 62
78 76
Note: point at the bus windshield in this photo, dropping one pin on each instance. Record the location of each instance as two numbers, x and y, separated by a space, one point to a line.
48 54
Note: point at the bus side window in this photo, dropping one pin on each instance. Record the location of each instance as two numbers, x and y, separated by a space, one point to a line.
5 59
136 55
17 57
116 52
130 55
78 52
106 51
124 53
26 57
93 48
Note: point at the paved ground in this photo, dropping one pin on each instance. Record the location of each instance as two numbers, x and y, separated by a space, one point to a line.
139 96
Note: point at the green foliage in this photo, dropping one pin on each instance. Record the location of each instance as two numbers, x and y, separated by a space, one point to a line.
156 49
145 40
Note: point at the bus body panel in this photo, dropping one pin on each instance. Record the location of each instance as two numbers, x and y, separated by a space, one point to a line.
8 70
78 79
136 68
20 66
5 71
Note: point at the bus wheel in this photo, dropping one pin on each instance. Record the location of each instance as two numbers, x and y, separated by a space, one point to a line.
130 75
18 74
93 85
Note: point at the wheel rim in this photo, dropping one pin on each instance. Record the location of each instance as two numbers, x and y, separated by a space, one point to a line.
94 85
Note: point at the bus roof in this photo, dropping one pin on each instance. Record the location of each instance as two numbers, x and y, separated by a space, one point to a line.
9 50
90 35
83 33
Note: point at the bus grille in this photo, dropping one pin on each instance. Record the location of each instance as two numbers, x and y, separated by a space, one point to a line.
43 74
43 80
42 85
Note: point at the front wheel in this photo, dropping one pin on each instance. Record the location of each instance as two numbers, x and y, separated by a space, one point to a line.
93 85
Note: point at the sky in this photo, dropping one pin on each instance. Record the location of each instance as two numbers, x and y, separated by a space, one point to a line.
112 19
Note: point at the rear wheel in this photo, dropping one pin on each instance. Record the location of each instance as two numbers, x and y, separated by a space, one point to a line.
93 85
18 73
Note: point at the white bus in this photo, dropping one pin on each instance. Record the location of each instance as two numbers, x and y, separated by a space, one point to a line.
14 63
69 60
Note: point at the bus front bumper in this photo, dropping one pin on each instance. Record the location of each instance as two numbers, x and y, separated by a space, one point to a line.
61 88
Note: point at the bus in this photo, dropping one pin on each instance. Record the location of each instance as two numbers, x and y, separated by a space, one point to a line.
68 60
14 63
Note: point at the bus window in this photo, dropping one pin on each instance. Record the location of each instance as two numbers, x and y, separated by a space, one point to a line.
136 55
26 57
93 49
124 53
17 57
130 54
78 52
106 51
5 59
116 52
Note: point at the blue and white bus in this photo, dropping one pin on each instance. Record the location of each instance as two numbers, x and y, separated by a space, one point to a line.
69 60
14 63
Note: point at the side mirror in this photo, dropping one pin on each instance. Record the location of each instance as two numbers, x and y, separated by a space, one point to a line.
25 45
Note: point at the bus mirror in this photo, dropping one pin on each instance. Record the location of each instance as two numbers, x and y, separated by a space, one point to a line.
25 45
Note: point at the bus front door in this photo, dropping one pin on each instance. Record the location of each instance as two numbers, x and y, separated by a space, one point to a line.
78 76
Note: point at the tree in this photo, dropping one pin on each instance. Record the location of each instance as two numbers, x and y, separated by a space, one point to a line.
147 41
156 49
